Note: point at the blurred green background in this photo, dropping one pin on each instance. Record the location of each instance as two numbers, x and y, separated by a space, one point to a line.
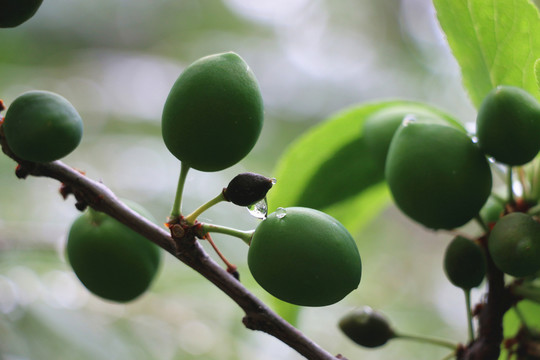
116 60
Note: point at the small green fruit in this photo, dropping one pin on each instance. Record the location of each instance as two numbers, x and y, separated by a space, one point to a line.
111 260
367 327
492 211
42 126
508 125
213 115
437 175
514 244
464 263
15 12
380 126
305 257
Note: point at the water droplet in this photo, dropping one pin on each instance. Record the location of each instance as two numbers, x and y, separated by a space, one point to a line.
273 181
281 213
259 209
408 119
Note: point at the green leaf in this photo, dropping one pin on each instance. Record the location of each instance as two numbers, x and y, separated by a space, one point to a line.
330 168
496 42
511 322
537 72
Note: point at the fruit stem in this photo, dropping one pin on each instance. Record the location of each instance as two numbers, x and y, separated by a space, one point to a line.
193 216
428 340
481 222
231 268
524 184
176 210
534 181
528 292
243 235
469 314
510 183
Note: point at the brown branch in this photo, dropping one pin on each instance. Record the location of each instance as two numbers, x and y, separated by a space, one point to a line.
487 345
258 316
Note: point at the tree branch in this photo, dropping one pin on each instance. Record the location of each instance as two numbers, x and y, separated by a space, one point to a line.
187 249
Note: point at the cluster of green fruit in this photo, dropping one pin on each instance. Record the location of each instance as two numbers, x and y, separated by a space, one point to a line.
211 119
110 259
440 177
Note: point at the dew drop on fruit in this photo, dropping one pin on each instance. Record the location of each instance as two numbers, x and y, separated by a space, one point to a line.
259 209
281 213
273 181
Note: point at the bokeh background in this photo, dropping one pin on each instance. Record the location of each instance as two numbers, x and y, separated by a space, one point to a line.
116 60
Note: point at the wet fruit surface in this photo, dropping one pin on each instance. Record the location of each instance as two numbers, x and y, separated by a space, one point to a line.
305 257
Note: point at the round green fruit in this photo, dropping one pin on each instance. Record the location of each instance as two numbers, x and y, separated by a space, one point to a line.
15 12
437 175
464 263
367 327
380 126
213 115
305 257
111 260
508 125
42 126
514 244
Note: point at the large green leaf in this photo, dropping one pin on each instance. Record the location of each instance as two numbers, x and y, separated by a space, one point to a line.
537 72
496 42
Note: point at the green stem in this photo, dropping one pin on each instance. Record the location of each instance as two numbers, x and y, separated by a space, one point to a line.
469 314
195 214
428 340
509 181
176 210
528 292
481 222
244 235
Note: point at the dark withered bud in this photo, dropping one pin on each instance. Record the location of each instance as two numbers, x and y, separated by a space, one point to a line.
247 188
367 327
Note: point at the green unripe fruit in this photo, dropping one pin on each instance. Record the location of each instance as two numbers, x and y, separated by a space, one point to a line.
464 263
111 260
367 327
213 115
42 126
305 257
437 175
15 12
380 126
508 125
514 244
